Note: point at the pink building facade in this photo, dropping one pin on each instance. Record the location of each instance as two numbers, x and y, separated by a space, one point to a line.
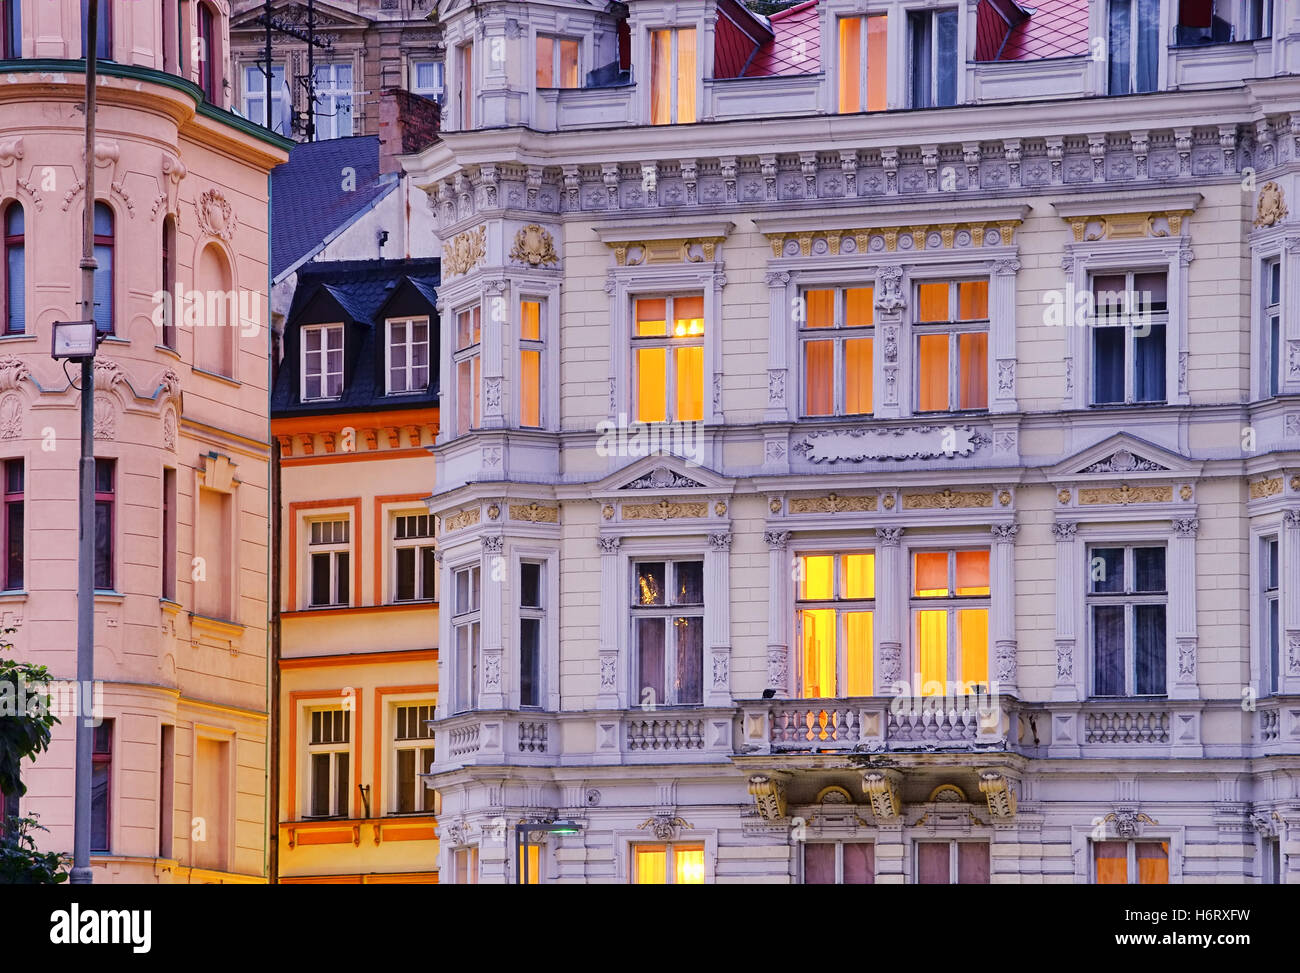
181 193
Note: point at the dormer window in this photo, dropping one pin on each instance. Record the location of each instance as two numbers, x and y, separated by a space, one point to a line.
934 57
408 355
1223 21
322 362
557 62
672 76
864 55
1133 45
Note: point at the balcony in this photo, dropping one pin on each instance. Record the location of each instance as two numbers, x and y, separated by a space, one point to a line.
1061 77
564 108
1204 65
772 96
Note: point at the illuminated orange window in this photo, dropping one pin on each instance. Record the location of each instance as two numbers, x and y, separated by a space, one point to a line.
668 864
952 345
950 608
836 336
557 62
465 86
863 51
465 865
466 362
834 614
668 359
1130 862
531 347
672 76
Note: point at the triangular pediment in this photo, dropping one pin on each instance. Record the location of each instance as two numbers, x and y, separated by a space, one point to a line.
293 13
661 474
1123 455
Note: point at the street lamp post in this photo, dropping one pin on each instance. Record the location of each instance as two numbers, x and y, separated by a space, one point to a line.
522 831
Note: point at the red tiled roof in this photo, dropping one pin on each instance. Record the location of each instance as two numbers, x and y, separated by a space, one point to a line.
1057 28
796 45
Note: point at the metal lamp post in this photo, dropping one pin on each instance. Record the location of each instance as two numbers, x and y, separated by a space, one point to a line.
522 831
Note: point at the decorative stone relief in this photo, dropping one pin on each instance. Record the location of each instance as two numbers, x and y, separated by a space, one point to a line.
216 217
11 416
534 246
831 504
105 418
881 787
769 796
1270 208
465 252
662 478
862 443
665 826
1122 461
12 371
1001 796
534 513
169 430
493 544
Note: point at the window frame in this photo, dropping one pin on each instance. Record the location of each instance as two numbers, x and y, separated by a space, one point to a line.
952 604
410 344
419 543
538 615
862 66
670 851
954 874
329 91
13 243
467 618
333 748
419 745
326 331
470 354
1133 36
838 845
1270 612
330 549
108 242
468 855
674 93
465 93
839 333
437 92
668 611
208 24
557 42
109 499
1129 599
953 328
931 17
669 343
843 606
533 346
102 757
105 26
278 93
1129 320
1272 335
14 499
1131 873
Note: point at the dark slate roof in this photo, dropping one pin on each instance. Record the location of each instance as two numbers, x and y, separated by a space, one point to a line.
361 294
308 201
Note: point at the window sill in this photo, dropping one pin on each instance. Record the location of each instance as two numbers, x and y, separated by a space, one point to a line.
172 352
224 379
170 606
13 596
109 596
19 336
216 626
114 339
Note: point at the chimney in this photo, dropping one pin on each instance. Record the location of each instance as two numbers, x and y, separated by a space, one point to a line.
407 123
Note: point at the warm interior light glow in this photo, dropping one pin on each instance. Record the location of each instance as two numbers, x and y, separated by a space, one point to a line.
818 626
689 865
932 649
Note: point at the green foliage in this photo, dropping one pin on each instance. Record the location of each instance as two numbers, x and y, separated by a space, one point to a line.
21 863
25 717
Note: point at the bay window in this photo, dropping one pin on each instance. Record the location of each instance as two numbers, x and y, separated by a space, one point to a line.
408 355
863 58
531 347
413 749
329 555
466 624
328 762
837 339
674 864
322 362
839 863
668 359
934 57
952 863
466 361
1130 321
532 617
672 76
668 632
557 62
1126 612
415 569
952 345
1133 45
950 609
834 615
1131 862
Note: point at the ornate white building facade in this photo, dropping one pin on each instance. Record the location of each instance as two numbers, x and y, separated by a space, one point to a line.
972 551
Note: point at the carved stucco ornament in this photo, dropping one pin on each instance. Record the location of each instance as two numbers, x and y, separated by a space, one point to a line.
665 826
769 796
999 792
1270 208
13 370
534 246
465 251
216 217
11 416
881 787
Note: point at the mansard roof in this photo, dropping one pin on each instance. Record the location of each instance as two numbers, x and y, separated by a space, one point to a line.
1010 30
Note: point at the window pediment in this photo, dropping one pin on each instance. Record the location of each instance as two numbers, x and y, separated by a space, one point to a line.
1124 456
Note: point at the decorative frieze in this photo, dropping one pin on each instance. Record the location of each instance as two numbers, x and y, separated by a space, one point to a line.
861 443
459 521
1125 494
465 252
1260 489
831 504
534 246
534 513
891 239
665 510
634 253
947 499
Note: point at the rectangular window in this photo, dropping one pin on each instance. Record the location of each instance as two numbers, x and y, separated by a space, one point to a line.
1130 321
426 80
834 616
1271 614
667 864
101 787
952 863
837 339
952 345
1223 21
103 33
950 608
322 362
668 359
1130 862
464 863
467 590
213 534
839 863
105 522
466 361
13 524
934 57
255 97
329 555
1272 318
105 250
1258 18
557 62
328 755
672 76
333 110
668 632
211 802
1133 45
166 790
168 559
11 22
1126 611
415 568
532 619
465 90
1271 853
413 747
864 54
531 346
408 355
14 268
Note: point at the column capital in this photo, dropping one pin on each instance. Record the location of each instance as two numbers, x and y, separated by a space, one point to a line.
720 541
1187 527
609 545
1005 533
776 539
889 536
1064 530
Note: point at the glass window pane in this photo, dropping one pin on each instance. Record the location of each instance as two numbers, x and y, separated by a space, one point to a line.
819 864
818 577
1108 365
690 383
688 587
650 583
945 69
850 53
689 687
859 575
932 373
661 77
972 863
405 587
320 783
686 75
99 802
820 309
530 633
104 545
650 864
1149 292
930 573
530 585
650 660
1120 55
919 27
877 60
859 863
1109 297
932 302
428 572
568 64
342 783
972 572
857 376
859 308
530 320
973 636
1111 858
1148 569
1108 650
406 781
1149 651
858 651
1153 862
341 578
818 632
1149 377
688 317
932 860
545 62
973 370
530 388
652 383
819 378
932 650
1106 569
651 317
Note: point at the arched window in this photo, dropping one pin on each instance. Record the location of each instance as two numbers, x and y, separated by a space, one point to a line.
103 313
169 281
15 271
104 33
11 29
215 324
207 53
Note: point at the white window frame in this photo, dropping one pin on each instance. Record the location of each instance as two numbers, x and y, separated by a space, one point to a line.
891 14
1272 357
537 613
952 604
1129 319
670 858
1128 599
466 354
466 617
952 843
332 549
1270 550
1130 868
839 333
327 332
667 611
1161 34
419 745
669 343
556 59
952 328
333 748
410 345
839 859
330 94
932 15
674 94
469 854
841 605
416 542
539 346
280 101
437 92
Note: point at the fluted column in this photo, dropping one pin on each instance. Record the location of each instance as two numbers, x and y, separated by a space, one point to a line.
890 575
1180 651
1289 572
1068 590
609 695
780 385
717 620
491 677
1003 622
779 613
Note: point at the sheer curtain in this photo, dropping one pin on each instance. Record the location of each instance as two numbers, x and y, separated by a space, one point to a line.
1153 862
819 378
1112 862
1149 633
690 659
1108 650
650 657
819 864
974 348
